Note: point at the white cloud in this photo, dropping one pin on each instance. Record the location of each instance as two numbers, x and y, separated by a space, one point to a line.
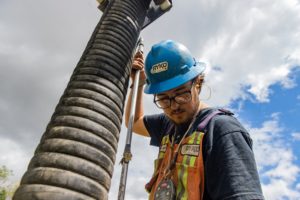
252 48
296 136
279 189
298 97
276 161
298 186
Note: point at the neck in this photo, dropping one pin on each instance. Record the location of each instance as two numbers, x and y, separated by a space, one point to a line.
181 128
202 106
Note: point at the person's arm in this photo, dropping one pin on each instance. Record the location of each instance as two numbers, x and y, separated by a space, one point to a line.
138 125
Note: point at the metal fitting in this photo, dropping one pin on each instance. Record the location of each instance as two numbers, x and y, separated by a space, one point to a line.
102 4
163 4
166 5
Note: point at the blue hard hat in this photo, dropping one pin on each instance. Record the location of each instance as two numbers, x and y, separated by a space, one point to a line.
168 65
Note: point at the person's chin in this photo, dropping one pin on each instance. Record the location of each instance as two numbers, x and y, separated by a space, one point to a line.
179 119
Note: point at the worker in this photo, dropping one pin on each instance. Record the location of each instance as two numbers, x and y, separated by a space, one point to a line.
204 152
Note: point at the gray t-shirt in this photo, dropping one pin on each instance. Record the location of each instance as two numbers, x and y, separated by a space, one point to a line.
229 164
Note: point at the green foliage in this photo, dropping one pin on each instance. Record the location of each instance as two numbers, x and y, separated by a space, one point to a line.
3 194
4 174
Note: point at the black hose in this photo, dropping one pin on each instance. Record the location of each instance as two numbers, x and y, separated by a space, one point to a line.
76 155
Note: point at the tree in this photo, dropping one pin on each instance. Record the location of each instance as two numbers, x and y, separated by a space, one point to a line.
4 174
3 194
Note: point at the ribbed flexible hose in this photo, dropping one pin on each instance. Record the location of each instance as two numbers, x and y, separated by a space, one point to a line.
76 155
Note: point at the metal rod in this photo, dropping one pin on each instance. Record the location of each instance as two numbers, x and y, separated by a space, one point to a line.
127 151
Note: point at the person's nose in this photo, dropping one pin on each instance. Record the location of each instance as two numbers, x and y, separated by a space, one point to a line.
174 104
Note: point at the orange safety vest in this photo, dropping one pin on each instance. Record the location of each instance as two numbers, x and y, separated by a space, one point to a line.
188 174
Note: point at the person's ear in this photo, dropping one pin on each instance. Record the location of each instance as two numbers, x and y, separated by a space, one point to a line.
198 83
198 87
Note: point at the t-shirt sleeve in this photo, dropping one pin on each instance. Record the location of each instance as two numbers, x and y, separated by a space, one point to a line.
230 167
156 126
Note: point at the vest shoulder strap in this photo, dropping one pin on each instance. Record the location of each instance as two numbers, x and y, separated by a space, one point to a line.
206 120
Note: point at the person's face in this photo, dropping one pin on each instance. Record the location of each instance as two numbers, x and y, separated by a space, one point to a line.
179 112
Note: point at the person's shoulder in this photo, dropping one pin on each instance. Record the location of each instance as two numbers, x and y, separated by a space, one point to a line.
226 122
223 128
157 126
159 116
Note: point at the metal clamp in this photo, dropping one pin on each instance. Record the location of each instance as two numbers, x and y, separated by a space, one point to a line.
127 156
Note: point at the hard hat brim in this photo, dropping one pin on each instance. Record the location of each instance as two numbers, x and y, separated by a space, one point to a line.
177 81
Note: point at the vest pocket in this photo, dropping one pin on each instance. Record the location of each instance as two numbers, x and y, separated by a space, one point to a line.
151 183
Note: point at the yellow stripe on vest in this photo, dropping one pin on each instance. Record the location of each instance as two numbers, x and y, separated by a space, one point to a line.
188 173
197 142
183 171
163 146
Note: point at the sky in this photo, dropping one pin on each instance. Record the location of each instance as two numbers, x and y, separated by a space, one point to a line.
251 48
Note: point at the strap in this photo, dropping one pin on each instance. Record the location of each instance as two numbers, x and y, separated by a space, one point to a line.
204 123
170 129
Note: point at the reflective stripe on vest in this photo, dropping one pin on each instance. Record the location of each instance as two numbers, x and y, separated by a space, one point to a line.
188 175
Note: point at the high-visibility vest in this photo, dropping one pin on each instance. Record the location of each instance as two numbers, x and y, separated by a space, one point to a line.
188 173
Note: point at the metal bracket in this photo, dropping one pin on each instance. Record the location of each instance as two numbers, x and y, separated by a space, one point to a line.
155 11
126 157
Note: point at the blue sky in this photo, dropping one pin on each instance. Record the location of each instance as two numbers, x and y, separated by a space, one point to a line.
251 47
283 107
281 100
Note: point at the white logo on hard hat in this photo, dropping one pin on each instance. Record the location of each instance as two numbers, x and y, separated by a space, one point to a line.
160 67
